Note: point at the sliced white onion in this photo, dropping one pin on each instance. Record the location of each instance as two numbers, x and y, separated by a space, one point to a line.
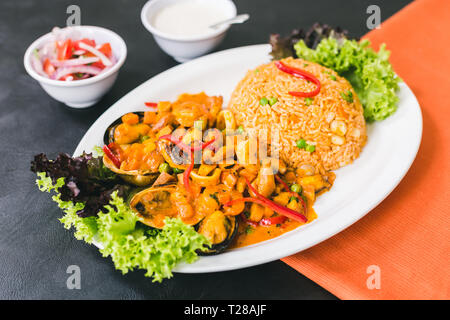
79 52
37 65
74 62
65 33
91 49
48 50
61 72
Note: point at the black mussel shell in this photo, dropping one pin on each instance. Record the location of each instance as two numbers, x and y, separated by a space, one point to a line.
108 137
232 229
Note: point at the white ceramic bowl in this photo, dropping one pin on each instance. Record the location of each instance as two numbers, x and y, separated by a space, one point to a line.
184 48
87 92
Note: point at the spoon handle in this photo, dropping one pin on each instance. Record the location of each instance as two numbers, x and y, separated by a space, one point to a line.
237 19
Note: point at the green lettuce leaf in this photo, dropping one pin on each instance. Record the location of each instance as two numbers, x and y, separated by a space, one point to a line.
369 72
129 243
132 246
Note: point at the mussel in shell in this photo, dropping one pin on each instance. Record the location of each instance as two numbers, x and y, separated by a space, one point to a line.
220 230
108 137
139 178
154 204
130 134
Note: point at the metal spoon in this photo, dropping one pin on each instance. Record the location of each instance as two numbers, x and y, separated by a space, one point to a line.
238 19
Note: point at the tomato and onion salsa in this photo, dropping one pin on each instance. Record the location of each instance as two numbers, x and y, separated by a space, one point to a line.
69 59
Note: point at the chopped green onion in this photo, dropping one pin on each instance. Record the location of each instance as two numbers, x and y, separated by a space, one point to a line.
143 138
292 199
333 77
240 130
347 96
296 188
164 167
263 101
248 229
177 171
310 148
308 101
272 101
301 143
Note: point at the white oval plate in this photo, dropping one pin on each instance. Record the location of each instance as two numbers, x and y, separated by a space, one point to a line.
391 148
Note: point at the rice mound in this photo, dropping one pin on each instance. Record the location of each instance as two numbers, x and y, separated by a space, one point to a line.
297 118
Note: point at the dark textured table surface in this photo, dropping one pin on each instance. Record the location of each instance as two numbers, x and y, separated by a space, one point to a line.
35 250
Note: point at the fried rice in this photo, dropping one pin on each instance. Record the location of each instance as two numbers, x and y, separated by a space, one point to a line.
330 121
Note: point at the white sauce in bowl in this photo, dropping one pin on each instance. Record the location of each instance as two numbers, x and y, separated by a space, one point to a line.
189 18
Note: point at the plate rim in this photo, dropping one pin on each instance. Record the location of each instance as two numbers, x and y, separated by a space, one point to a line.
186 268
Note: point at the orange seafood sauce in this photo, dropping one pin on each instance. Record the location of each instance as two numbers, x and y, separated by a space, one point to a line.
248 234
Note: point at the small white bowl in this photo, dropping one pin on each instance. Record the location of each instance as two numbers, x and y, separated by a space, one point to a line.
81 93
185 48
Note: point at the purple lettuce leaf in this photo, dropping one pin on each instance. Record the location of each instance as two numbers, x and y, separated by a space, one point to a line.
86 179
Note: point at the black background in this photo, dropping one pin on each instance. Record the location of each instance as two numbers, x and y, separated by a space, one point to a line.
35 250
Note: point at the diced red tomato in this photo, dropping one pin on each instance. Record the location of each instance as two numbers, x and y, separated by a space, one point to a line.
106 49
98 64
64 50
64 78
48 67
86 41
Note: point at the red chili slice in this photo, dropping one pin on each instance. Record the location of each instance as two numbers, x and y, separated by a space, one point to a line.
298 73
303 217
176 141
272 220
190 151
151 104
111 156
270 204
250 222
183 146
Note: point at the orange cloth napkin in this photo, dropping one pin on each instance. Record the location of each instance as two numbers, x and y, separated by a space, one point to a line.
407 235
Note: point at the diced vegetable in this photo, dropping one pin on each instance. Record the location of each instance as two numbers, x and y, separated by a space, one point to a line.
295 194
164 167
310 148
347 96
301 143
296 188
272 101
